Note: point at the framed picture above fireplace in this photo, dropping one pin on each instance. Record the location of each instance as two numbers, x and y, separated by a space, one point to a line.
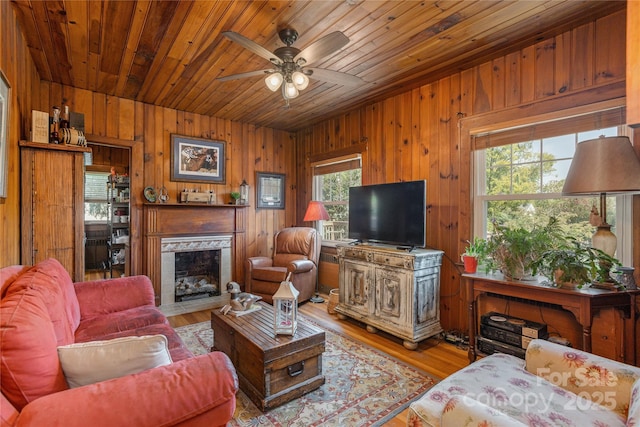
270 193
197 159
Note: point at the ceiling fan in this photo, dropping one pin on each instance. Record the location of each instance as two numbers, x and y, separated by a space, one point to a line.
291 69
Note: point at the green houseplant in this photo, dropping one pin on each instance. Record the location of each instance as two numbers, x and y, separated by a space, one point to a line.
474 252
512 251
575 265
235 196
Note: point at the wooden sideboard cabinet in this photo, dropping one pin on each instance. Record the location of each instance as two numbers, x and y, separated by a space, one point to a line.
606 318
393 290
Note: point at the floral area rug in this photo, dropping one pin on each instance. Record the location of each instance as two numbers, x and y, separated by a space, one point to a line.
363 386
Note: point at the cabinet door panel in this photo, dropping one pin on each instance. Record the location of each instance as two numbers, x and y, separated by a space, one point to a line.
356 286
427 299
392 293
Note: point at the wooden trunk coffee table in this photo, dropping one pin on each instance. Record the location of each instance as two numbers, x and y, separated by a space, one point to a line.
272 369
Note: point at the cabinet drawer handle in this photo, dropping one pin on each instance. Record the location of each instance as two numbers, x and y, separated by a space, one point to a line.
295 369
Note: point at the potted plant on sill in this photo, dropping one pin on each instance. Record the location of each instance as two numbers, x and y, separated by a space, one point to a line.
512 251
474 252
575 265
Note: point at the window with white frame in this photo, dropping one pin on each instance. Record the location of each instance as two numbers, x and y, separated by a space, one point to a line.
96 207
519 184
331 181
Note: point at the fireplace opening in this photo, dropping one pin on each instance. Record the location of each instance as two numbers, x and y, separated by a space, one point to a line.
194 272
197 274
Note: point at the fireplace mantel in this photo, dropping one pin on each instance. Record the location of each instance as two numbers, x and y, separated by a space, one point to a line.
182 219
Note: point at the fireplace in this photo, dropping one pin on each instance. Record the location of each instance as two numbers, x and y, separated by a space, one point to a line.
195 272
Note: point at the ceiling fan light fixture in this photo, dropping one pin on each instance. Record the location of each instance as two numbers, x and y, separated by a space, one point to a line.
273 81
289 91
288 73
300 80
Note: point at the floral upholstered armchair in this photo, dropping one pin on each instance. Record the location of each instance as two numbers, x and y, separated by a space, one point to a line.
554 386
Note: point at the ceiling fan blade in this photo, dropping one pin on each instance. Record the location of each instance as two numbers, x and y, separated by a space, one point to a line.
252 46
335 77
243 75
322 47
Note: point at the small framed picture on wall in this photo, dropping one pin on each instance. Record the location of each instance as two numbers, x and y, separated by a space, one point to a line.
270 192
197 159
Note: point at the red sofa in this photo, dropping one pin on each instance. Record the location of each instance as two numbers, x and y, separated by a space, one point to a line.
41 309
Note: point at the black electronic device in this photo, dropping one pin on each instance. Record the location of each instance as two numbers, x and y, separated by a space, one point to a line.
489 346
393 213
514 324
504 336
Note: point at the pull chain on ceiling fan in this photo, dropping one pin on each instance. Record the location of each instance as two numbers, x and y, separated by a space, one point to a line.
291 72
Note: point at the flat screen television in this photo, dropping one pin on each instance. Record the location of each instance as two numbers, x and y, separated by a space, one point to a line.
393 213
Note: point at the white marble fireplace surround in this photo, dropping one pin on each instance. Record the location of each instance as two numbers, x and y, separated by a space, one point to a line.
169 246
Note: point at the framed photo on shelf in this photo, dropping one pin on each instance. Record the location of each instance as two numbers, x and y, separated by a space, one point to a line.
197 159
270 192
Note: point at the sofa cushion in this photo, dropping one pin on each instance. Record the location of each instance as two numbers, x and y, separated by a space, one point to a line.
634 405
501 382
95 361
59 276
52 282
29 366
176 346
9 274
40 286
98 327
602 380
462 410
100 297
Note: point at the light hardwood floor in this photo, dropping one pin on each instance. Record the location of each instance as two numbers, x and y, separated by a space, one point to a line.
434 356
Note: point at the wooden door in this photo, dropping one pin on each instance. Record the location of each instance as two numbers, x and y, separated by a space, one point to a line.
53 207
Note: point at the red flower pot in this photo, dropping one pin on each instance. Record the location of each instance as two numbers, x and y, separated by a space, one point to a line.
470 263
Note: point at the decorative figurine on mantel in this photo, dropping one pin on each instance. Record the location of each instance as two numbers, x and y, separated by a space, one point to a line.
285 308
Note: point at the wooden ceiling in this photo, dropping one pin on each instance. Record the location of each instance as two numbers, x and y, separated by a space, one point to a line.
169 53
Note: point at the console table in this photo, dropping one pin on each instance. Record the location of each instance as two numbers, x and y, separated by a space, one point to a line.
582 303
390 289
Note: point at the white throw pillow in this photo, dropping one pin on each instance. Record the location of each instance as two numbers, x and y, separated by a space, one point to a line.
95 361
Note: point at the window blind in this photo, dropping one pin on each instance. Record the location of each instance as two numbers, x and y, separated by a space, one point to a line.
337 165
95 186
582 123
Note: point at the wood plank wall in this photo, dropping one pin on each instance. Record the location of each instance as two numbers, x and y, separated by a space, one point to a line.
249 149
415 135
19 69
